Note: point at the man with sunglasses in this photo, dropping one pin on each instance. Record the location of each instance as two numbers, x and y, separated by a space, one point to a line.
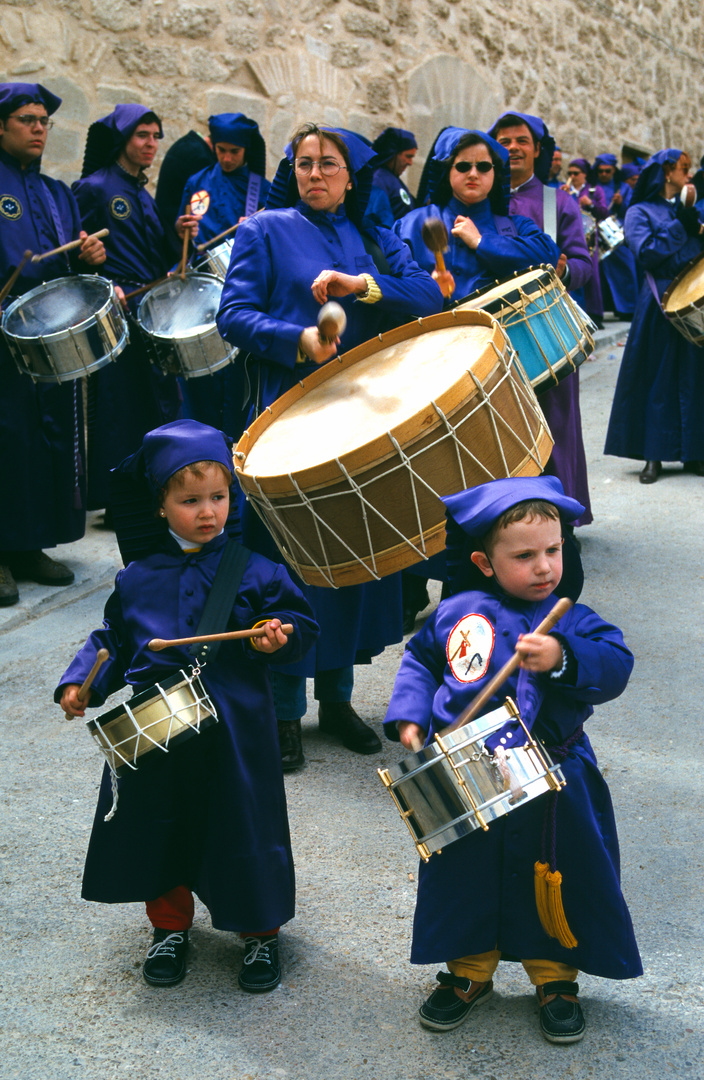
41 425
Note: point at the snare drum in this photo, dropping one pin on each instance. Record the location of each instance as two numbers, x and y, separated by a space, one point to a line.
348 467
550 333
683 302
65 329
216 260
455 786
153 722
178 318
611 236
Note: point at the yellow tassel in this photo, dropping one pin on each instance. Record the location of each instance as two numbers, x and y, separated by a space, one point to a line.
557 917
541 897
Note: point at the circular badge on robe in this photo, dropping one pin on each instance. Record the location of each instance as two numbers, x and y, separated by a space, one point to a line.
405 197
200 201
10 207
469 648
120 207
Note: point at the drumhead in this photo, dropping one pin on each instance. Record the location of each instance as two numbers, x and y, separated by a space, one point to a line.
367 399
57 306
179 308
687 288
539 275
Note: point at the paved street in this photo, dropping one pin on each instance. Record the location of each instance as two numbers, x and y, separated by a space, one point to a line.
75 1005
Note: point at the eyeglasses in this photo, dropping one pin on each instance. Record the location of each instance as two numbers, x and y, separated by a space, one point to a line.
467 166
29 120
574 172
327 166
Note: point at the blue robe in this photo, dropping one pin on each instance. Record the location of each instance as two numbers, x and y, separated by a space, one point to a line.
396 191
659 398
131 396
41 424
210 815
618 270
507 244
227 197
478 893
266 303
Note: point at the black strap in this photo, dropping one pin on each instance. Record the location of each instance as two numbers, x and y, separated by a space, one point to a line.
375 251
221 598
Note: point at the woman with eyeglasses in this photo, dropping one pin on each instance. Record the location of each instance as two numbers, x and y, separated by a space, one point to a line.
308 247
467 182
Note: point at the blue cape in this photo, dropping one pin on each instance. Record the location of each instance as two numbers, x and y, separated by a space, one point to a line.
284 189
442 151
652 175
14 95
107 136
171 447
393 141
540 132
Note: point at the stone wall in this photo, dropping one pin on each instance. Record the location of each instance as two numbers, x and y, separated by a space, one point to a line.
599 71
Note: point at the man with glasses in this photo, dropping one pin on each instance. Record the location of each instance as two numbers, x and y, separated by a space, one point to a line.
41 425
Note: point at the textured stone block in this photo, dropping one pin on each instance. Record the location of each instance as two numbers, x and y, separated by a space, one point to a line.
117 14
190 20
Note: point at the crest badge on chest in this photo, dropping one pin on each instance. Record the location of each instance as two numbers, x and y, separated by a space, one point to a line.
469 648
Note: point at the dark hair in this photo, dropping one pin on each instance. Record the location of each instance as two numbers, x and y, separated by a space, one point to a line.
444 192
515 121
148 118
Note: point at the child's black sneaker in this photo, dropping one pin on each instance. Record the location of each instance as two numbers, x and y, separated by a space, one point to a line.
165 964
561 1016
260 969
444 1010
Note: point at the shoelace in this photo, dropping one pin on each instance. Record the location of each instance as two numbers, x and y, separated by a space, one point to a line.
259 947
166 946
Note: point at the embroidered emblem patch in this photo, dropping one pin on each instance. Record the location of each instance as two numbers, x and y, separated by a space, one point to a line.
405 197
469 648
10 207
120 207
200 201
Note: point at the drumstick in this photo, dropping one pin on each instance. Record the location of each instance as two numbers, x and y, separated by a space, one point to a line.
223 234
434 236
73 244
157 644
331 322
147 287
184 253
561 608
101 656
14 275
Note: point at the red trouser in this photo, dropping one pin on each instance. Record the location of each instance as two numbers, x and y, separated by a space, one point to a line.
174 911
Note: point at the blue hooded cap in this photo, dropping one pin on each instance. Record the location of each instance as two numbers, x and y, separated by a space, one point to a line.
539 131
606 159
393 141
239 130
284 189
472 513
442 152
629 171
15 95
652 175
107 136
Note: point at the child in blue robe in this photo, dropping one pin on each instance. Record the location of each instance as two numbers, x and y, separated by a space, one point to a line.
477 898
209 817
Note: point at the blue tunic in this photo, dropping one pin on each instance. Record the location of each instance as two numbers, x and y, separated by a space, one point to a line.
131 396
41 425
266 303
507 244
495 869
618 270
210 815
396 191
227 195
659 399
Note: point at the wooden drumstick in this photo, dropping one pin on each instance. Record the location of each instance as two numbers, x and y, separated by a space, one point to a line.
561 608
224 233
184 252
101 656
434 236
157 644
69 247
331 322
147 287
14 275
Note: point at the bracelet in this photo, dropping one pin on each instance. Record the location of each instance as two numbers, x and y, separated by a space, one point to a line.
558 674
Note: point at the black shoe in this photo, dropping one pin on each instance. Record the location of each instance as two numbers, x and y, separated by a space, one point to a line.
165 964
650 472
444 1010
9 593
290 743
696 467
37 566
561 1016
260 969
339 718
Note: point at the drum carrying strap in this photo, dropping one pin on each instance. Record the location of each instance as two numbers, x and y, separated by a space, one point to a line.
221 598
550 212
251 201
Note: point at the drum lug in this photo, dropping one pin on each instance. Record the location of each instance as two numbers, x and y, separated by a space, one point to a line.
460 780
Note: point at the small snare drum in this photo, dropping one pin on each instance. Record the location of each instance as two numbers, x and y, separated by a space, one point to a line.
611 236
216 260
178 318
683 302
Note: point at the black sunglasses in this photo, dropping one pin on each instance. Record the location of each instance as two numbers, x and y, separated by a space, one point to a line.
480 166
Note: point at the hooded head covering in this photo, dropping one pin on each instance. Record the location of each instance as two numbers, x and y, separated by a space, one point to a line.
442 152
15 95
539 131
629 171
239 130
581 164
652 175
284 189
611 161
472 513
393 141
107 136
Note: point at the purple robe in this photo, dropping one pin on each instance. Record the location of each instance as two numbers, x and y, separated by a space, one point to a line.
593 300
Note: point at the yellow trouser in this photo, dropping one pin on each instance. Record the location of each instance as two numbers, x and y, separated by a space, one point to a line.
481 967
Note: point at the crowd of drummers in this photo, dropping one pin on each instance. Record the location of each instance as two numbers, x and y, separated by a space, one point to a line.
336 223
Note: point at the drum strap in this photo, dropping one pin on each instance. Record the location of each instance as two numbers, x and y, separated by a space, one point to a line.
251 201
550 212
377 255
221 599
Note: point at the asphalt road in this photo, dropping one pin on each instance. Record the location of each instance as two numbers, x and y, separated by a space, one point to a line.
74 1001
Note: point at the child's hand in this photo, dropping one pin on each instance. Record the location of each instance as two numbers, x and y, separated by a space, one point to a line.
70 701
272 638
411 735
539 652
